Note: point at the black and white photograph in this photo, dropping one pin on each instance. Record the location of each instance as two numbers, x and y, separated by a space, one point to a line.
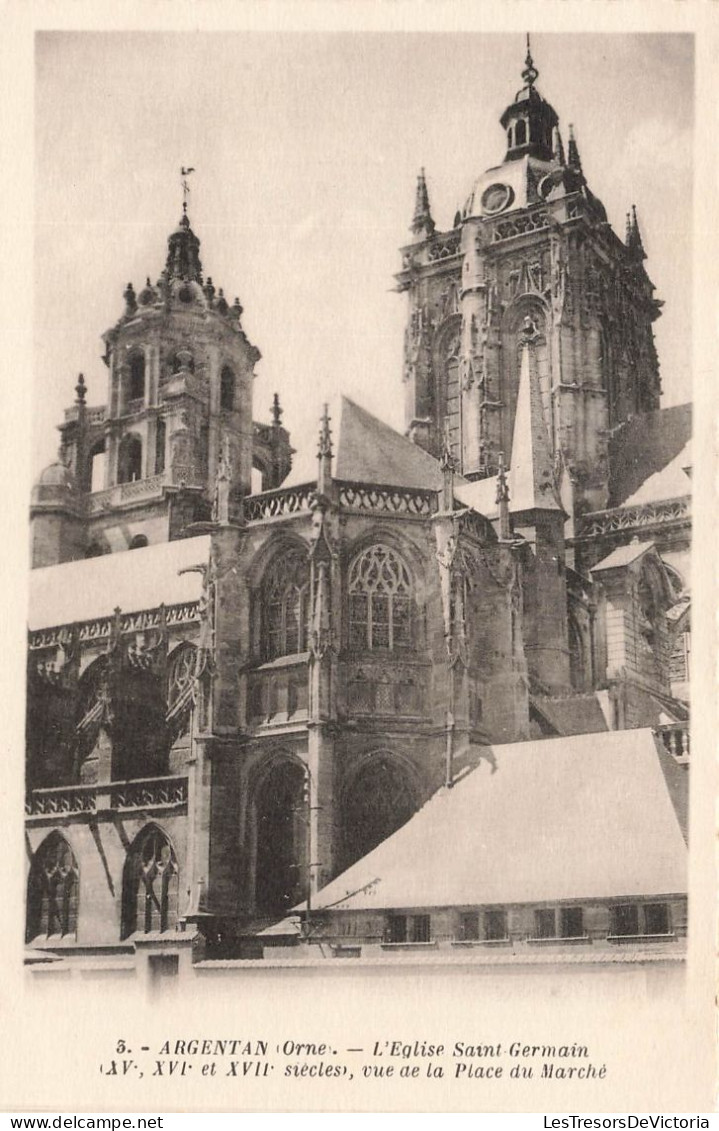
359 588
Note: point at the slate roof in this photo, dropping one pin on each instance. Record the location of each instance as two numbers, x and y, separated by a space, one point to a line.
367 450
531 475
642 453
622 556
131 580
571 714
584 817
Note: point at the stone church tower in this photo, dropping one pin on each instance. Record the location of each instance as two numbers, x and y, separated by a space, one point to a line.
532 248
142 467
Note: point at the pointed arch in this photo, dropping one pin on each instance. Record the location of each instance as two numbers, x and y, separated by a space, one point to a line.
285 604
280 835
53 890
381 600
380 796
150 884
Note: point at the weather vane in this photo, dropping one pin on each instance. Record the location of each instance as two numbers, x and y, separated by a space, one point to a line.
184 173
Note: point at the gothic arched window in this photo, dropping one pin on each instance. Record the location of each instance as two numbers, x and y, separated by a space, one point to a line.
150 885
285 594
380 799
52 894
380 591
227 389
181 673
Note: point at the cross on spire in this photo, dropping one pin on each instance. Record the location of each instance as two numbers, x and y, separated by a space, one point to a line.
530 74
184 173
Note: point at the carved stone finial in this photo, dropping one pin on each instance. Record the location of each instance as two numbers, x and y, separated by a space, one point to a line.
81 390
324 454
503 499
573 152
448 467
422 222
276 410
223 479
130 299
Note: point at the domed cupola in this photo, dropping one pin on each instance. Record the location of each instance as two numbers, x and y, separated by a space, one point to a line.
530 121
183 253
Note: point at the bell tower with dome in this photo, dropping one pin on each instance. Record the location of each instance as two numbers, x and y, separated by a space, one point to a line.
141 469
531 250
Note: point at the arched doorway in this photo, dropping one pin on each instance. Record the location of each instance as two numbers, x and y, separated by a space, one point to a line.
380 798
282 835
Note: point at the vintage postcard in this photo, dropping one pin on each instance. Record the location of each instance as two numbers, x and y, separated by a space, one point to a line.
371 388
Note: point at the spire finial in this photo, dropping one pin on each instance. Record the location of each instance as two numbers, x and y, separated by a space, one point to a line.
505 531
530 73
81 390
634 238
573 152
558 147
422 222
448 467
223 480
184 173
324 454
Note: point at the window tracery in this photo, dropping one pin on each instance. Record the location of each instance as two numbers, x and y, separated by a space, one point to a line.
380 591
53 890
151 884
285 596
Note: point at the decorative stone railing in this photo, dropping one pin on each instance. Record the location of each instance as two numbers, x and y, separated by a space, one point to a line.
443 247
628 518
149 793
281 503
61 800
125 493
531 222
134 406
143 793
100 628
96 415
388 500
675 739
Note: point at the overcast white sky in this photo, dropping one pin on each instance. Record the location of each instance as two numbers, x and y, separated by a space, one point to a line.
307 148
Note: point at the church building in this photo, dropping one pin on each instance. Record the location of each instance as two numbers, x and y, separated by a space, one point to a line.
245 678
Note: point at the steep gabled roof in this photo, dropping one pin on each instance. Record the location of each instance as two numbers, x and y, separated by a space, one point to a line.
366 450
531 476
583 817
643 457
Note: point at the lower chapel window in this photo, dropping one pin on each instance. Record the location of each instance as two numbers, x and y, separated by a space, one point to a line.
53 890
641 919
150 894
380 600
408 929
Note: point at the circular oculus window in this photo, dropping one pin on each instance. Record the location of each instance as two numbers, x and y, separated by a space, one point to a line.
496 198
